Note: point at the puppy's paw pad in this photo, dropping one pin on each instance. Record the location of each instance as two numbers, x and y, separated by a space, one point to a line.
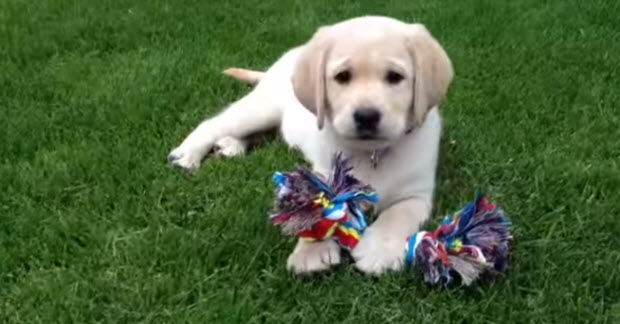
378 253
229 147
311 257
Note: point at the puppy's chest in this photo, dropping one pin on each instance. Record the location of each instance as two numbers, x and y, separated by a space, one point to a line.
387 176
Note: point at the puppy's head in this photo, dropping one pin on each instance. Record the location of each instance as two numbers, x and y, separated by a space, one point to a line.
371 79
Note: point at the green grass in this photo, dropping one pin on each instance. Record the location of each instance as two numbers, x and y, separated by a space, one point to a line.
96 227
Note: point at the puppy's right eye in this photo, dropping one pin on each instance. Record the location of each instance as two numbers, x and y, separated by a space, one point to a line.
343 77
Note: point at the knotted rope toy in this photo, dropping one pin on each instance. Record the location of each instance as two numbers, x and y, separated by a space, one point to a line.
313 208
472 242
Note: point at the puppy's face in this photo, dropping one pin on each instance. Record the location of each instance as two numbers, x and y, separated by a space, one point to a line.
371 78
369 89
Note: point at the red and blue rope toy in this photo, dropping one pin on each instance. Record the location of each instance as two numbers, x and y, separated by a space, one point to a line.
472 242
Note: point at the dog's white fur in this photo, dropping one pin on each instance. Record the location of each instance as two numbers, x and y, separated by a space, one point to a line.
300 93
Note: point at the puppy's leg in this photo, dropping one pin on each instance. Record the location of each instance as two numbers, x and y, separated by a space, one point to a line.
382 247
257 111
313 256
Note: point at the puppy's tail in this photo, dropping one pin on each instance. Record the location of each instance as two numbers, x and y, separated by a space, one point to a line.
250 77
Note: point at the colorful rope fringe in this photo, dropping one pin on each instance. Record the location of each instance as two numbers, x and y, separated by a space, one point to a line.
315 209
472 241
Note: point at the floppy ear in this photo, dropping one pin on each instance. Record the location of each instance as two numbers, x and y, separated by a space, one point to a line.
309 75
433 71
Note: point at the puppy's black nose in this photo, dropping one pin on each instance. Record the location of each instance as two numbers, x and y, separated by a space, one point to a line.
366 118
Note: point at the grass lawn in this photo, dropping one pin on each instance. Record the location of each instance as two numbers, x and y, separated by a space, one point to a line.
96 227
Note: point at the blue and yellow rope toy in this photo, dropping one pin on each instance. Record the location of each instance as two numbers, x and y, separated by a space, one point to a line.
472 242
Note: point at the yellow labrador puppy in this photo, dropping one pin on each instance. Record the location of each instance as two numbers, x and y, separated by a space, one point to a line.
369 87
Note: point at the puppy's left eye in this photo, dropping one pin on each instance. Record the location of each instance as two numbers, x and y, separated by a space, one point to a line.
394 77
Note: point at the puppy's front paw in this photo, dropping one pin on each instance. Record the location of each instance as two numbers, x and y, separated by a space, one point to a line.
186 157
313 256
379 251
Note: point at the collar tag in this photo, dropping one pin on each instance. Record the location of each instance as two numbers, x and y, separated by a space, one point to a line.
377 155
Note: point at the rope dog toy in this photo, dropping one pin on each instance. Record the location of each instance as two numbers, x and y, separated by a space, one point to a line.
315 208
471 242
